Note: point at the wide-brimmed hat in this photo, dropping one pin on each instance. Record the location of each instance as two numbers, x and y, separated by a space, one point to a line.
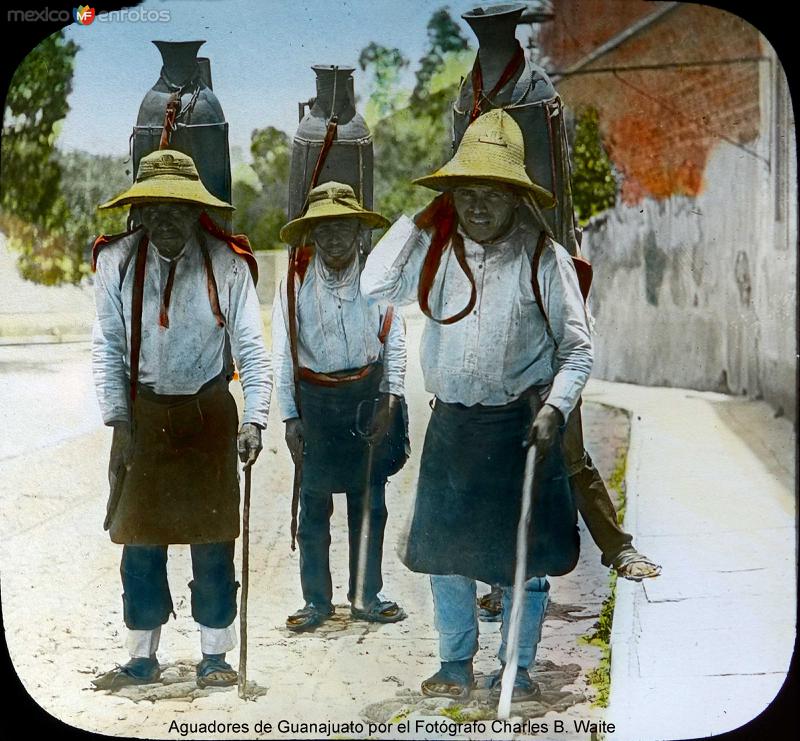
492 150
166 175
330 200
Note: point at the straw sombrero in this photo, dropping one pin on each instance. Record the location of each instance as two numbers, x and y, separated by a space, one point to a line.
166 175
330 200
493 150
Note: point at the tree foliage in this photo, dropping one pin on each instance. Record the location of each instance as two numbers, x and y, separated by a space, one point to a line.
261 201
593 185
415 138
444 39
386 65
35 208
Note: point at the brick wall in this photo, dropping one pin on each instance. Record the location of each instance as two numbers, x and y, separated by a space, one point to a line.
659 126
580 26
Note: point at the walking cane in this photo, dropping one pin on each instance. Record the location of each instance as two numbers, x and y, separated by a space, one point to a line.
245 583
512 641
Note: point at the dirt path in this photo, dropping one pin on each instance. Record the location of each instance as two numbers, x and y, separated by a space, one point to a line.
62 608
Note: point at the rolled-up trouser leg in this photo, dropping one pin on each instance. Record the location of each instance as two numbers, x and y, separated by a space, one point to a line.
455 614
530 627
590 493
146 601
214 585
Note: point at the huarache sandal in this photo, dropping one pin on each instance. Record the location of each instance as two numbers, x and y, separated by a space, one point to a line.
214 671
381 611
454 680
136 671
491 605
524 687
632 565
308 617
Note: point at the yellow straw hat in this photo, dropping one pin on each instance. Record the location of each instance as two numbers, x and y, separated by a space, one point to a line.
330 200
493 150
166 175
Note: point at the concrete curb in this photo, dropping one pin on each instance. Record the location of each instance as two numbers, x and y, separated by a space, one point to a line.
703 648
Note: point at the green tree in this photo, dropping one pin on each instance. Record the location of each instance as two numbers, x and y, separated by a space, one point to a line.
86 181
593 185
444 38
414 138
33 209
386 65
261 201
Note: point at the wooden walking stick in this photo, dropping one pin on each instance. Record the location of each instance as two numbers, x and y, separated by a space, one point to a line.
245 583
512 642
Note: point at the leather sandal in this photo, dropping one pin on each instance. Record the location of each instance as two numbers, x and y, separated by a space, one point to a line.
626 563
381 611
454 680
214 671
308 617
137 671
490 606
524 687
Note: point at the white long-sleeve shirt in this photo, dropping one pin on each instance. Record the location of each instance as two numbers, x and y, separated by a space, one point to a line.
181 358
501 348
338 330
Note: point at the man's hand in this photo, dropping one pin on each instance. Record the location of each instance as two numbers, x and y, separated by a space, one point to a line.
248 442
294 438
544 429
382 417
121 444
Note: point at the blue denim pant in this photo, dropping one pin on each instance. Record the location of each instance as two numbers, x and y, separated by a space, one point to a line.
456 617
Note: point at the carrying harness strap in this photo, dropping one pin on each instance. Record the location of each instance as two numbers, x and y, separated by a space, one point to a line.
139 256
478 98
441 216
136 312
294 269
582 267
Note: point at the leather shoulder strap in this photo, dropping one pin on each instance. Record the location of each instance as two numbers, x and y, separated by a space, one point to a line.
440 216
386 325
537 291
104 240
291 309
211 284
238 243
136 313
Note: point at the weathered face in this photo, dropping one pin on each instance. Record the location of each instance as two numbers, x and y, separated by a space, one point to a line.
485 211
169 225
336 241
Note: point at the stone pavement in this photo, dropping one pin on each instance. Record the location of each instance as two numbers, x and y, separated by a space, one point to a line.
62 607
705 647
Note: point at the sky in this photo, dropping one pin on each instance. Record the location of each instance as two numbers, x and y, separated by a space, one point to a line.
261 53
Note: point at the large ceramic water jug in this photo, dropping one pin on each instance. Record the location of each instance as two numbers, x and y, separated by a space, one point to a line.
349 158
200 127
507 79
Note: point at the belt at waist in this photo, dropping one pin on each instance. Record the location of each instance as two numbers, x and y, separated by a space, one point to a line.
523 399
145 392
337 377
